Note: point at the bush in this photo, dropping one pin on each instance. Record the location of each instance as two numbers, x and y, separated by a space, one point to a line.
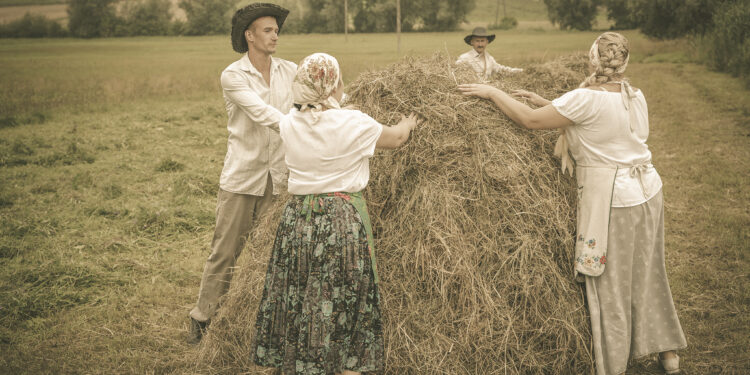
207 16
146 17
32 26
506 23
572 14
92 18
380 15
622 12
668 19
727 45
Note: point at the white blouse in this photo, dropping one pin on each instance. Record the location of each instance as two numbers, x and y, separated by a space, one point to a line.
330 155
606 134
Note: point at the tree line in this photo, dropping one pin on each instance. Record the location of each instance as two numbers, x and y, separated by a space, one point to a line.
111 18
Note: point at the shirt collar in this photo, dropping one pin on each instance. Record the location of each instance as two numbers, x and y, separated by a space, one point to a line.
474 53
247 66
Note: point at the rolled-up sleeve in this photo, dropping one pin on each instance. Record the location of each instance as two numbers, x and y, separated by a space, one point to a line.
238 92
499 68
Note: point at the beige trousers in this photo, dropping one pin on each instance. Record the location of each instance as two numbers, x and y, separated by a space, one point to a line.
236 216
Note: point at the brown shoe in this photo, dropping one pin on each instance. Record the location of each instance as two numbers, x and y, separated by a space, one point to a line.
197 330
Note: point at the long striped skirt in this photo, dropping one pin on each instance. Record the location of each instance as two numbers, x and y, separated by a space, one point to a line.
320 311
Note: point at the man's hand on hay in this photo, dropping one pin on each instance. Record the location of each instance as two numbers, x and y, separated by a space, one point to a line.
531 97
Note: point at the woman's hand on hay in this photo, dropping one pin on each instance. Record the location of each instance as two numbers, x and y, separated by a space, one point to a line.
411 121
545 117
394 136
531 97
478 90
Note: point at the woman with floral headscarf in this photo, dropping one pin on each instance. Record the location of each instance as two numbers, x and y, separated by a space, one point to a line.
320 310
604 126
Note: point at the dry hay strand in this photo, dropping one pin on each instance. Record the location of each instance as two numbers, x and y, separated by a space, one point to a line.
474 226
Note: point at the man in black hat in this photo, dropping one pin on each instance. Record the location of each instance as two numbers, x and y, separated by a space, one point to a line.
479 59
257 92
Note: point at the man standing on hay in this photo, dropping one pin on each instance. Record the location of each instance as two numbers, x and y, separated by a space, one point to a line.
479 59
257 91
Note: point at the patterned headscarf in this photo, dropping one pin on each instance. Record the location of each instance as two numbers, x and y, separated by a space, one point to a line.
317 77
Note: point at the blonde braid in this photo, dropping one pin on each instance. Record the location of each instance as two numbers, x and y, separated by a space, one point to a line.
609 58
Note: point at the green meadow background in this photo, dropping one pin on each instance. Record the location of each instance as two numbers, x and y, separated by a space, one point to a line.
111 149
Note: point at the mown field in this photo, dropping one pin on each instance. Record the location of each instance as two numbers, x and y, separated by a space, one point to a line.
110 153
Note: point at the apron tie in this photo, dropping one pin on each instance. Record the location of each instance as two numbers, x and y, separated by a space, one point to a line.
636 171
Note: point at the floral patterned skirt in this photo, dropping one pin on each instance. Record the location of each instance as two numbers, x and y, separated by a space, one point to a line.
320 311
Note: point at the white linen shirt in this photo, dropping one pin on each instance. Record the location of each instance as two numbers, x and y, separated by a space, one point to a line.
331 154
602 136
484 65
254 108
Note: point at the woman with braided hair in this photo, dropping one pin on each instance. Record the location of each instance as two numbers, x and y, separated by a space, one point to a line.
620 223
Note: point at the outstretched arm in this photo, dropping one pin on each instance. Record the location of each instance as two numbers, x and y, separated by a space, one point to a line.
394 136
546 117
533 98
499 68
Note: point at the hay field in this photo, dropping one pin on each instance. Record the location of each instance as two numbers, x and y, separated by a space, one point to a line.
110 152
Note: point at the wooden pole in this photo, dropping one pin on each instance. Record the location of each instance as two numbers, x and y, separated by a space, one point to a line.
505 15
398 26
497 12
346 20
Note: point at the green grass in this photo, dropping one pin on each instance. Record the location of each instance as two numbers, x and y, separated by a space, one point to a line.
110 154
40 76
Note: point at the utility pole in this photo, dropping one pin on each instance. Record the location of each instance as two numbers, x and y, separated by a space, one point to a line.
497 11
398 26
346 20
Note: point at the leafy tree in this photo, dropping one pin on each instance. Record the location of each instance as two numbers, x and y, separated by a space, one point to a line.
442 15
324 16
145 17
675 18
207 16
380 15
91 18
728 43
32 26
622 12
572 14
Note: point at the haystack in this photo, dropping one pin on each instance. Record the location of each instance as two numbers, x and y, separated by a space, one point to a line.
474 226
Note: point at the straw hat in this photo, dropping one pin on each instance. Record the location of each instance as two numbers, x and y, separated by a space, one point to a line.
479 31
243 17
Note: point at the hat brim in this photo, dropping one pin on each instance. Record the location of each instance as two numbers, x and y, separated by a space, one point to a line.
245 16
490 38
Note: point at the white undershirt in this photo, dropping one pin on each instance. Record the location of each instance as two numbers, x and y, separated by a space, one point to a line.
603 135
331 154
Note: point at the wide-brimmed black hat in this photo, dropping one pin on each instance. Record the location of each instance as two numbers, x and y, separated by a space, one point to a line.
479 31
243 17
